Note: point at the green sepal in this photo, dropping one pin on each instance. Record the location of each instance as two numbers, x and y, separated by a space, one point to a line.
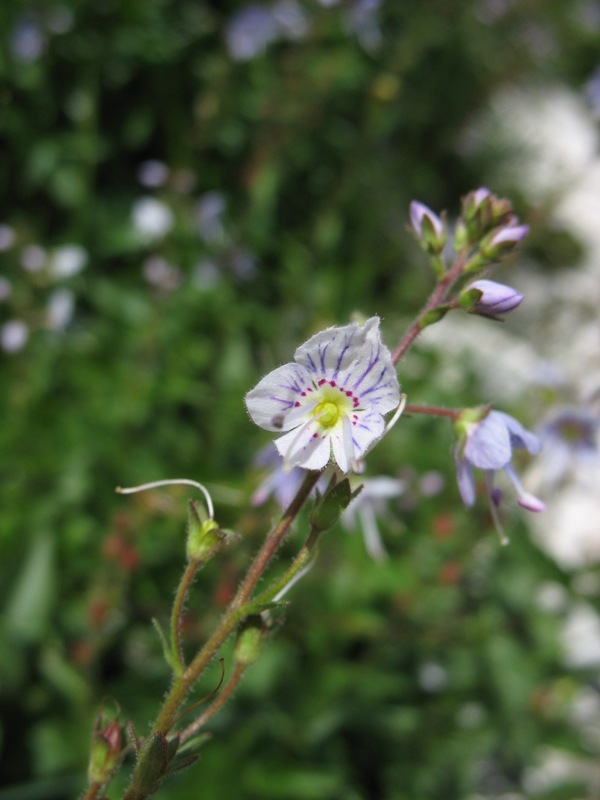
329 506
469 299
433 316
204 537
249 640
154 759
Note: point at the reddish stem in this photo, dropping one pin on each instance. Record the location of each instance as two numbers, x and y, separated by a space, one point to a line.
436 298
435 411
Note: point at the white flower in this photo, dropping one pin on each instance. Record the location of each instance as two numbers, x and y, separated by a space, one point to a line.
13 336
67 260
151 219
332 399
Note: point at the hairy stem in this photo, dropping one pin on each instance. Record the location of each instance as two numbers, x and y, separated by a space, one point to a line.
177 612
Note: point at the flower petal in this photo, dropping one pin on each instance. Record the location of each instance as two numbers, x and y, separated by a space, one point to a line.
301 448
465 480
271 400
520 437
488 446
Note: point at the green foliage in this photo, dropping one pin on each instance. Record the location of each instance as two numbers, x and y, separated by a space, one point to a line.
429 675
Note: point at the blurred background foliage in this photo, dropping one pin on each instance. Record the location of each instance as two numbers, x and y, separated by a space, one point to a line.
189 189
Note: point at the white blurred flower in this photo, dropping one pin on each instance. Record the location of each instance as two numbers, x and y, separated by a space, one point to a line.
13 335
432 677
151 218
581 637
7 237
59 310
209 213
67 260
33 258
367 506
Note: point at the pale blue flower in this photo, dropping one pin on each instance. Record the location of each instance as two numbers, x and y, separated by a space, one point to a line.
331 402
487 443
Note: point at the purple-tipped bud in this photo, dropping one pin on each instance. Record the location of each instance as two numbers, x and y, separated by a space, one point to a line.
503 239
490 299
430 229
482 211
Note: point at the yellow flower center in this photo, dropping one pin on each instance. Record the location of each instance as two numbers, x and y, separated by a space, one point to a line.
333 406
328 413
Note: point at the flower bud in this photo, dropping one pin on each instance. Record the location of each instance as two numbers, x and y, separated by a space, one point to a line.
247 646
329 506
503 239
489 298
105 752
430 229
481 212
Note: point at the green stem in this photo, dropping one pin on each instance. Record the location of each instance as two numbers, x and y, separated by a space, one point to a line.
301 560
216 704
177 613
235 613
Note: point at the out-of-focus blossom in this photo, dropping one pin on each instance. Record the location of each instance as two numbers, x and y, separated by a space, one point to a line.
291 19
331 401
160 273
27 40
33 258
592 92
67 261
153 173
250 31
367 506
5 289
571 443
13 336
151 219
7 237
281 482
209 216
242 263
363 23
496 299
486 440
432 677
59 311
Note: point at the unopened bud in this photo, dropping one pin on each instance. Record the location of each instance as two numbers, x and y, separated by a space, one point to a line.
429 228
503 239
329 506
489 298
247 646
105 752
481 212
